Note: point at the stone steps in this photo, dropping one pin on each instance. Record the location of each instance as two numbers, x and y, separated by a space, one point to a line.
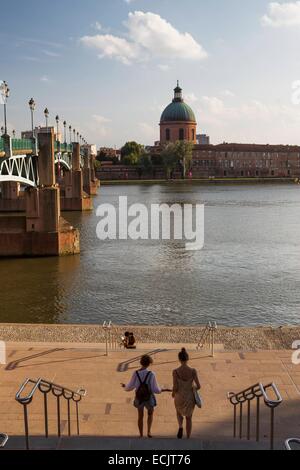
129 444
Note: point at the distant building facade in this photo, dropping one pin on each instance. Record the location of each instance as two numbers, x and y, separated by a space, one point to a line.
246 160
203 139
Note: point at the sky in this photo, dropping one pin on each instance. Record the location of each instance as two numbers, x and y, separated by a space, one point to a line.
108 67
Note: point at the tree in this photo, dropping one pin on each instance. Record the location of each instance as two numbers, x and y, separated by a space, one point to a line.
184 152
145 161
131 153
170 158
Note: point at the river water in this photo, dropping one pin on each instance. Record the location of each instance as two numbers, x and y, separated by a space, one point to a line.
247 274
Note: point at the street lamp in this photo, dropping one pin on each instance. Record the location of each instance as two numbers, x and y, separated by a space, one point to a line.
46 113
70 131
65 132
32 108
74 133
2 130
57 127
14 133
77 137
5 92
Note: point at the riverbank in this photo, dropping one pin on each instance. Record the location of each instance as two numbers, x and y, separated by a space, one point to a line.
267 338
215 181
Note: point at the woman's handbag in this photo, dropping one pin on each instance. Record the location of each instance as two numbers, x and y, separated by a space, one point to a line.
198 399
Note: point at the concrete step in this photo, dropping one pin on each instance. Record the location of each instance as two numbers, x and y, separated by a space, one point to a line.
113 444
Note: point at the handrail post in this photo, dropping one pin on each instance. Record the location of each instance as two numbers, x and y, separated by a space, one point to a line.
257 419
234 421
272 428
69 417
46 415
241 420
249 421
58 416
26 426
77 418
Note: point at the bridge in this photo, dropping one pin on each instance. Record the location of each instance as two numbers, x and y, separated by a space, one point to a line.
54 177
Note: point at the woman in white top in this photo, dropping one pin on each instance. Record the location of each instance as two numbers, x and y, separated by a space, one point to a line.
145 384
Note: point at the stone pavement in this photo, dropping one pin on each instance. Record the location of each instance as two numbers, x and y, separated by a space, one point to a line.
107 410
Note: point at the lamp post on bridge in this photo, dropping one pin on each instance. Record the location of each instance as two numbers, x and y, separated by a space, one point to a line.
74 134
77 137
70 131
14 133
46 113
5 93
65 133
57 127
32 108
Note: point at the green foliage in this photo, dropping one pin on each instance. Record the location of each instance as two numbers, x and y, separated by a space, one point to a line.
145 161
178 153
131 153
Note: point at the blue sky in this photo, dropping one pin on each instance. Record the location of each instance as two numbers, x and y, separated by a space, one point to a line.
109 66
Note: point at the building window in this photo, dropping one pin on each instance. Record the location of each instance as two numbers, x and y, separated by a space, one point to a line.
193 134
181 134
242 173
168 135
225 173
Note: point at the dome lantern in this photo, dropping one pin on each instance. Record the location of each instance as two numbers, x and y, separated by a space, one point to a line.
178 94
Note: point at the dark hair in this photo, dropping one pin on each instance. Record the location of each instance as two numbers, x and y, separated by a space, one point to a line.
183 355
146 361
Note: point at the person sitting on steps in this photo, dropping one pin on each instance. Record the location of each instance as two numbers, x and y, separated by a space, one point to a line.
128 341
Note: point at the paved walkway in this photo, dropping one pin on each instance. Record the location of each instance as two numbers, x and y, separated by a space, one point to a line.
107 410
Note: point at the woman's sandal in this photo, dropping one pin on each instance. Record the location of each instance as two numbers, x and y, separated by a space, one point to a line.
180 433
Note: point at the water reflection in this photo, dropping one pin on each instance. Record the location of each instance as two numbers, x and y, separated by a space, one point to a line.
248 272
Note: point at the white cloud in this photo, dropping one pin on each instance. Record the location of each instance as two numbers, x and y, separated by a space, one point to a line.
45 79
164 67
148 131
282 14
149 36
100 127
228 93
191 97
97 26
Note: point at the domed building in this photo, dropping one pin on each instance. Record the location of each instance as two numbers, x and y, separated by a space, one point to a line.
178 121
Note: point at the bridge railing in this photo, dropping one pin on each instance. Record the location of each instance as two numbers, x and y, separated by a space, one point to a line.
31 387
22 144
62 147
256 392
208 337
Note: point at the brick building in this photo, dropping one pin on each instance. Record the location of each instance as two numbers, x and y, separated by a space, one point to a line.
246 160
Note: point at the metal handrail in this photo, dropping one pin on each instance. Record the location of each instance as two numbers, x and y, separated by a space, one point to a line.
209 331
111 337
288 443
258 392
3 440
58 391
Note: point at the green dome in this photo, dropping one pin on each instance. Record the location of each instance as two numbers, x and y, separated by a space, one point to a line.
178 111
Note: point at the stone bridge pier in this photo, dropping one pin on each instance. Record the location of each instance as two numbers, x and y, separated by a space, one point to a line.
90 182
41 231
73 195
